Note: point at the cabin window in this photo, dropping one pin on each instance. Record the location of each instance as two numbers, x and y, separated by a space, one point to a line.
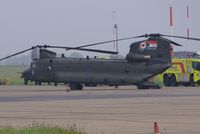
196 65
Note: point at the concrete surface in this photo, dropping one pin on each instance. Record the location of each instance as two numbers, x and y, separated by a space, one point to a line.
103 110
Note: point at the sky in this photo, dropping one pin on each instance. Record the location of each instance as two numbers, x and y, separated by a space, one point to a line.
26 23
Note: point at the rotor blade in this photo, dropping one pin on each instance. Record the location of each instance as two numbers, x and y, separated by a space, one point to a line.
181 37
95 44
98 51
9 56
82 49
174 43
79 47
104 42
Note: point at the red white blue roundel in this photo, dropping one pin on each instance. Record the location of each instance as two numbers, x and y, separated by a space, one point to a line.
149 45
143 45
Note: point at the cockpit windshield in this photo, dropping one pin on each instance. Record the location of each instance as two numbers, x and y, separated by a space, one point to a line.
196 65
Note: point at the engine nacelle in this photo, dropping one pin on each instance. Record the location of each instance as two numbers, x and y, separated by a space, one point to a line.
137 57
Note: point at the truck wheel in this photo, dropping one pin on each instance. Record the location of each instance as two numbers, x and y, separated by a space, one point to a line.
142 86
198 83
192 83
173 81
166 80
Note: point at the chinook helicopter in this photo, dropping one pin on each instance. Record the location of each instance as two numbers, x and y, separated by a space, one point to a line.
145 59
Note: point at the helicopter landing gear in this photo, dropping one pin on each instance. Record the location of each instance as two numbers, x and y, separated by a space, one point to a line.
116 86
148 85
38 83
25 81
141 86
75 86
55 84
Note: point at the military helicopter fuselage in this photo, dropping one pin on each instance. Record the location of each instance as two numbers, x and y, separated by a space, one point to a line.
145 59
93 71
141 63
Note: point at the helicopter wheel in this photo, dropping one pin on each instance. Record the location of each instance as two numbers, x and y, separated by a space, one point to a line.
80 87
25 82
75 86
40 83
142 86
36 82
55 84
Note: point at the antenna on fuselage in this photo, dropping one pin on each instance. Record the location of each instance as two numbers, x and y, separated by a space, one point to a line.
115 31
116 37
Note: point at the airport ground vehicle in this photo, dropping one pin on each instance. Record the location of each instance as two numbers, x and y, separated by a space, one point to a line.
184 71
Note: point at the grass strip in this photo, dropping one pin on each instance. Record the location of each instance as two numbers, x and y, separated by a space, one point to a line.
40 129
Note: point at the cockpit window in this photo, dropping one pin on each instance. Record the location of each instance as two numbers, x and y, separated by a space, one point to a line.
196 65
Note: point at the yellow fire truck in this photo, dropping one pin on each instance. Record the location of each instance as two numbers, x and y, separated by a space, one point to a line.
183 72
